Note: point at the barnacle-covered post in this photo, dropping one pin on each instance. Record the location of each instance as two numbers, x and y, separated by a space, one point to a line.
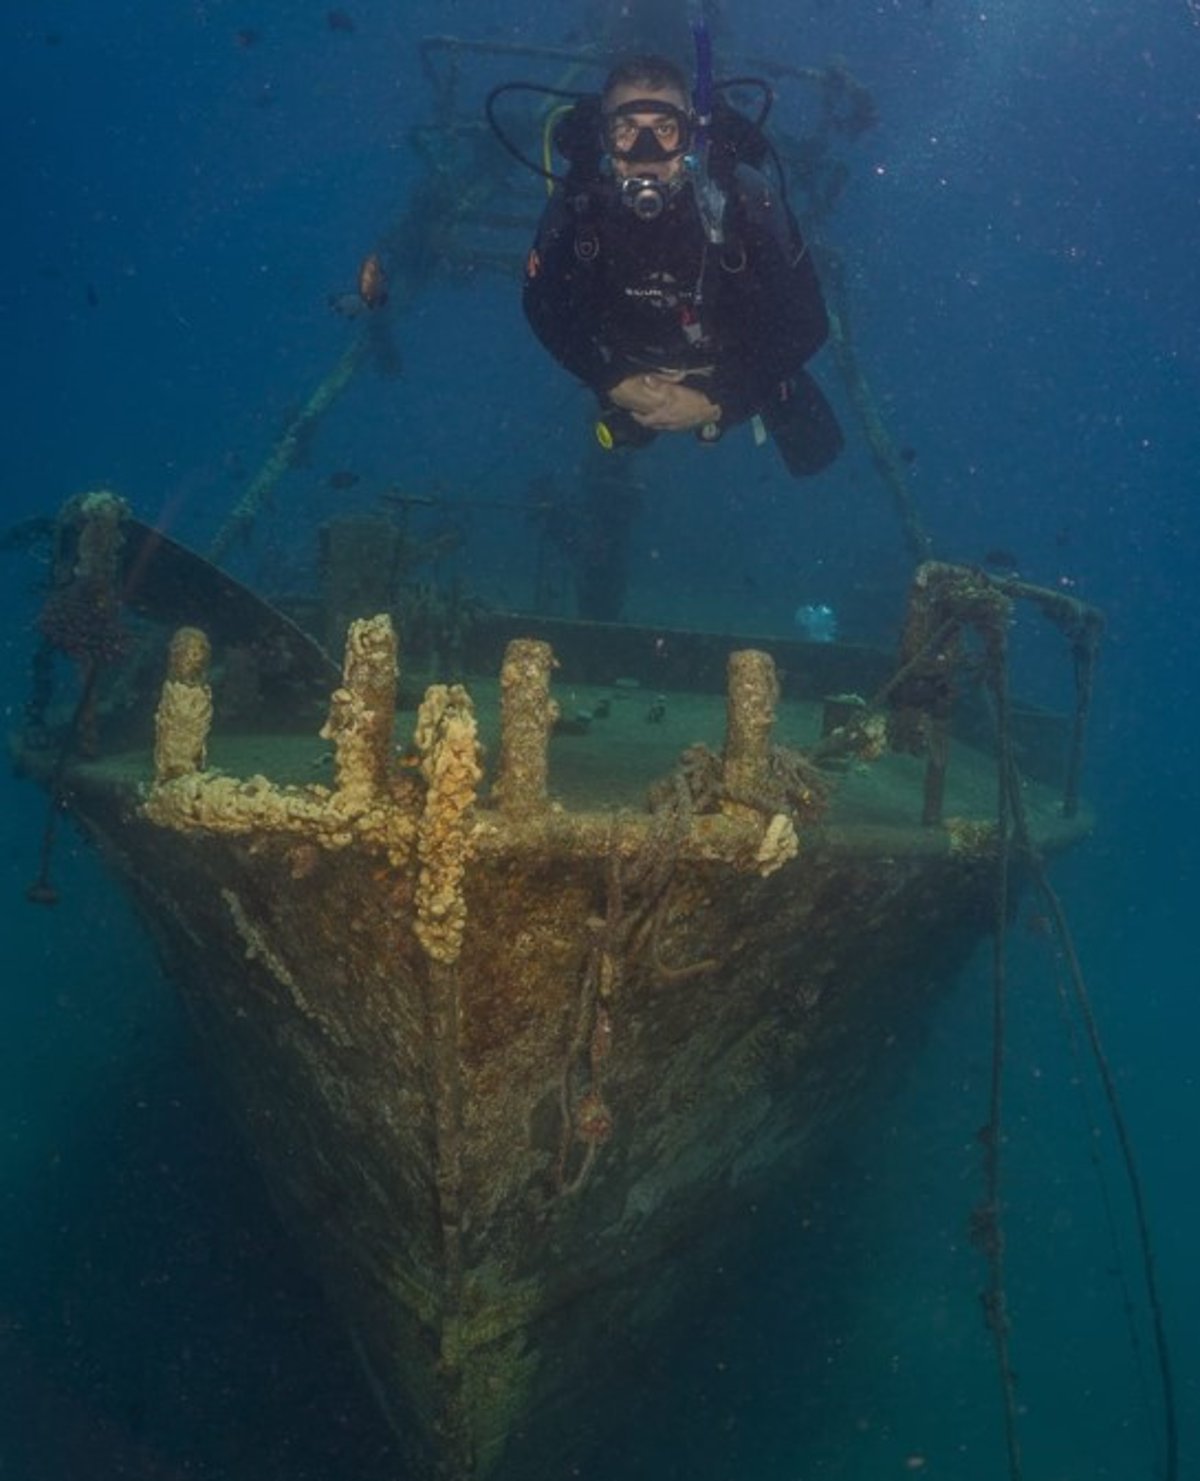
527 716
184 715
362 712
749 719
447 740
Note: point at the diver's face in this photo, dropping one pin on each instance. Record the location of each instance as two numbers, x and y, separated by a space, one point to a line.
622 130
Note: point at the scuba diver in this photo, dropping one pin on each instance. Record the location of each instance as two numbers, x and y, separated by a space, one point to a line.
670 278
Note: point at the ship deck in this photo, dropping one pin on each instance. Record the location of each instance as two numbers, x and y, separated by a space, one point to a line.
611 762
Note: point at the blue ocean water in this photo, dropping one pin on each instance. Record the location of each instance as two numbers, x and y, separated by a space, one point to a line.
189 182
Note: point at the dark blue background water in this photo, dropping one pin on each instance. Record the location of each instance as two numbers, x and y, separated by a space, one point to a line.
1020 234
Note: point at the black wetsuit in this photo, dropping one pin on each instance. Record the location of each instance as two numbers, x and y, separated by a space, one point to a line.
611 296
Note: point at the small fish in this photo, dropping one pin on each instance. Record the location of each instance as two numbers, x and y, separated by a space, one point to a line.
339 20
1001 560
372 282
247 37
908 454
91 296
342 479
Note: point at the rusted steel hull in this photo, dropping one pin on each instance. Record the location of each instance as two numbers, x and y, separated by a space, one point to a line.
415 1118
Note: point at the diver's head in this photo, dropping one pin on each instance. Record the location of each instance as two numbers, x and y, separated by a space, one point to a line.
646 122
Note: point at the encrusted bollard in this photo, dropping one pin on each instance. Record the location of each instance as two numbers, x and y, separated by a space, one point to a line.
184 715
750 717
362 713
448 744
527 715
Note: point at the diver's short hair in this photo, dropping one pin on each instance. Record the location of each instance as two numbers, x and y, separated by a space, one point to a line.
654 73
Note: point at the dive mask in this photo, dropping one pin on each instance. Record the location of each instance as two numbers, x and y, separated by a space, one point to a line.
667 136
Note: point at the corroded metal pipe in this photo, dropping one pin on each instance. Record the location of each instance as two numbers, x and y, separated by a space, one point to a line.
749 720
184 715
527 716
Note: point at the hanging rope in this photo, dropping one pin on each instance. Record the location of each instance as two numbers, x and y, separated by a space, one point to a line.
1058 919
1015 839
947 602
1091 1123
1085 641
884 454
986 1225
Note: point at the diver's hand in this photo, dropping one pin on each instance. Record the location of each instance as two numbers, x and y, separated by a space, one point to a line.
679 409
640 394
658 402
